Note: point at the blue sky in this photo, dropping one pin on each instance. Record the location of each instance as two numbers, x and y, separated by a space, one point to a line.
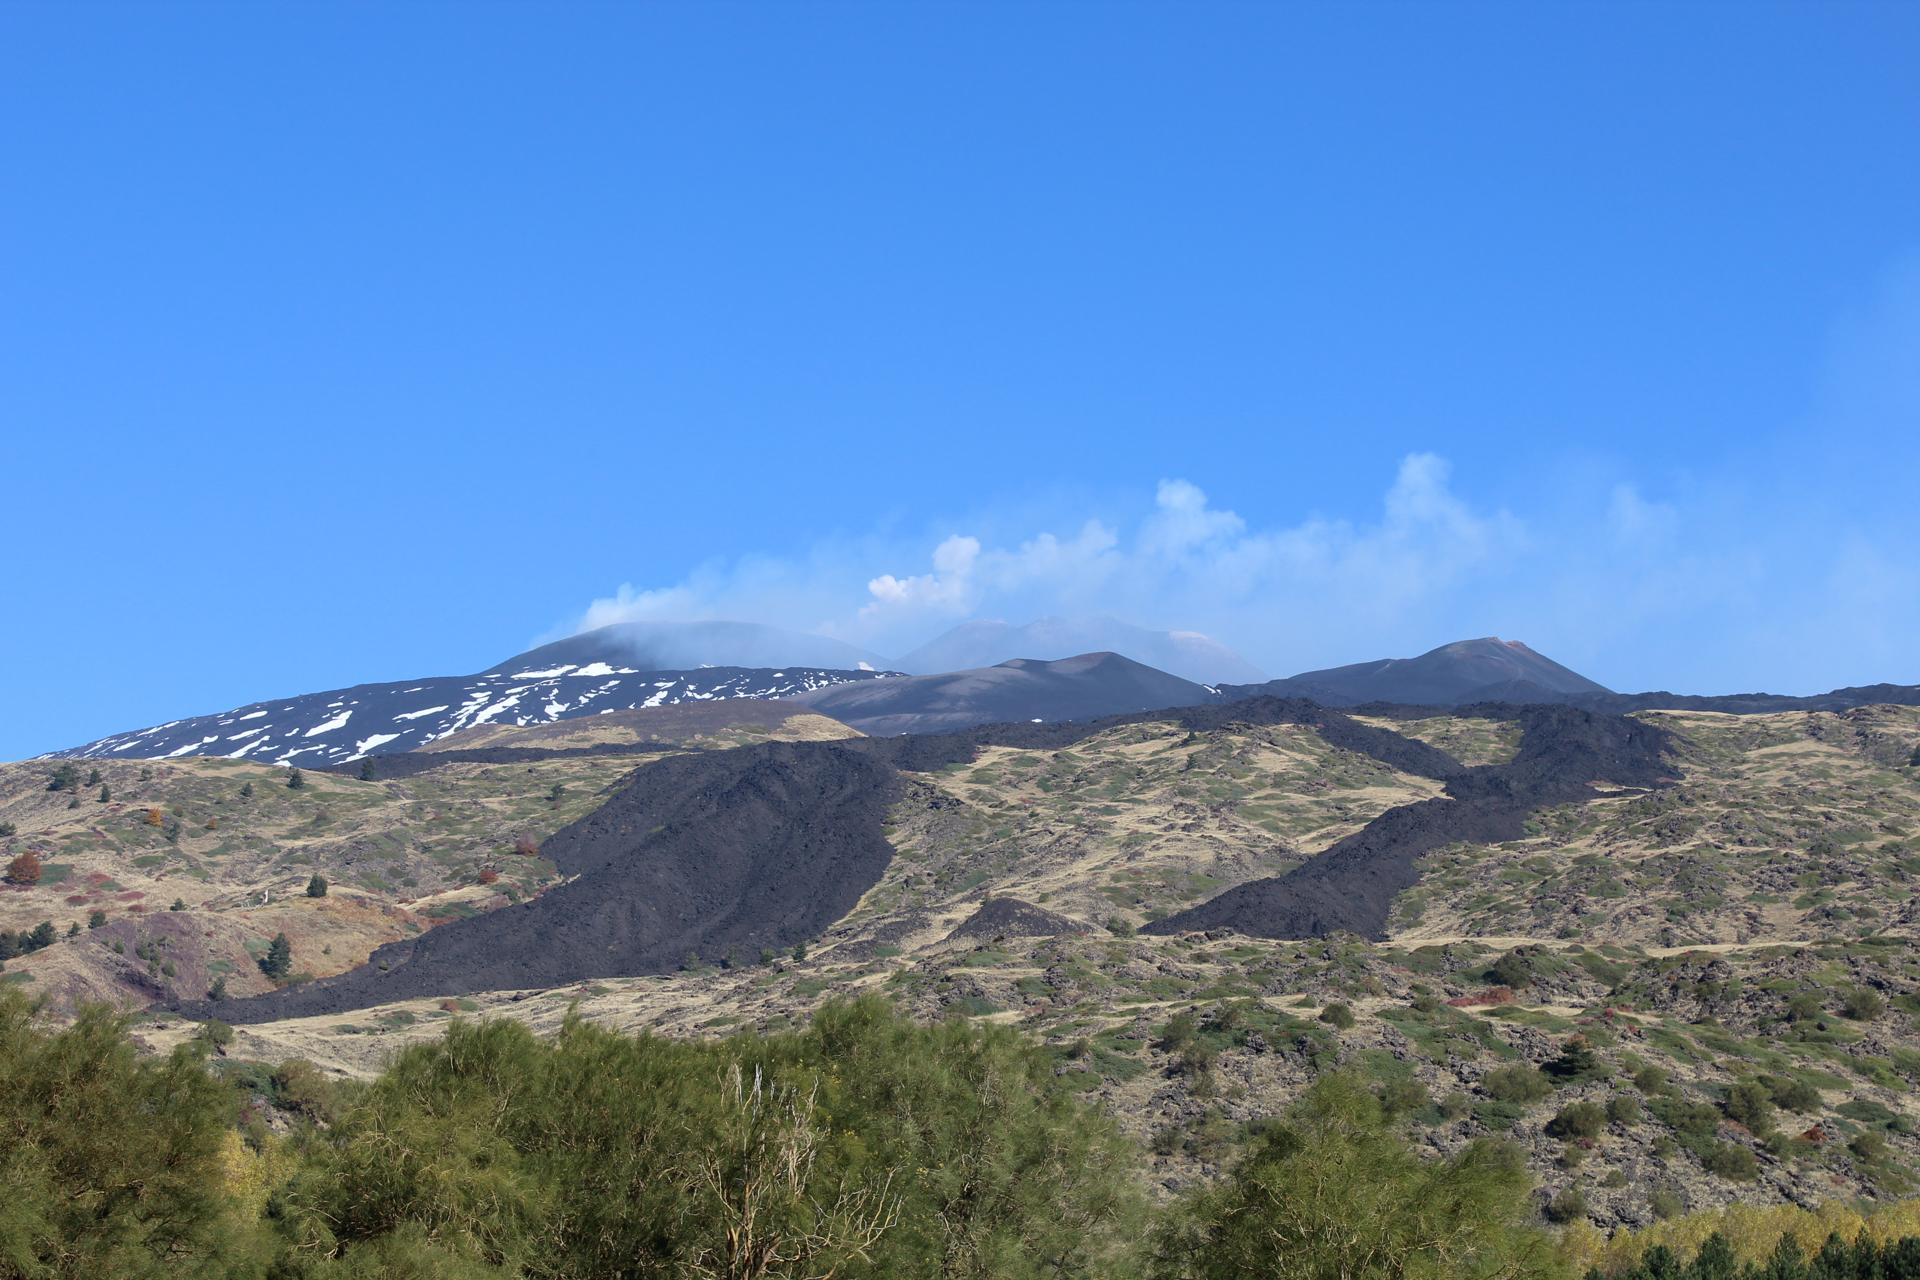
356 342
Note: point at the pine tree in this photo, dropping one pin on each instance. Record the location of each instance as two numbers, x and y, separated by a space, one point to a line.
106 793
246 791
278 962
96 918
296 780
317 887
218 991
1576 1062
366 768
43 935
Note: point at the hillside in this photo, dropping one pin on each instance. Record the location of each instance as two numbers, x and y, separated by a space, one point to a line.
235 846
1702 899
1084 687
342 725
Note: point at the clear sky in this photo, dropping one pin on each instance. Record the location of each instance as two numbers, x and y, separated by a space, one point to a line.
354 342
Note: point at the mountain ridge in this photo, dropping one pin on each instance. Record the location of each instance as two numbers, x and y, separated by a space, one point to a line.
989 642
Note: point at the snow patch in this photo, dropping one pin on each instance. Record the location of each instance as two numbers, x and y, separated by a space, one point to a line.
368 743
328 726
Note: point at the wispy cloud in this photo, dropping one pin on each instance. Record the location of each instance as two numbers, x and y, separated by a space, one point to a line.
1794 566
1183 562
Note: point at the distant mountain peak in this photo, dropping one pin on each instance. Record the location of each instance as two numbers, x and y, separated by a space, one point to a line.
988 642
1485 669
1083 686
688 646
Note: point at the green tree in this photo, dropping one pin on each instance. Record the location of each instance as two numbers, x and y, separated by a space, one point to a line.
112 1162
106 793
65 778
96 918
866 1146
1337 1194
1576 1062
317 886
278 961
296 780
246 790
43 935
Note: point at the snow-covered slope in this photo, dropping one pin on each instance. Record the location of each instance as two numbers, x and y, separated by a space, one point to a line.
376 719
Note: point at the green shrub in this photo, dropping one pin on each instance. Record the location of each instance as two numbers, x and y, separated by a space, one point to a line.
1514 969
1750 1103
1868 1144
1732 1162
1337 1191
1623 1109
1578 1120
1516 1082
1338 1016
1805 1006
1567 1206
1650 1080
1862 1004
1794 1095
